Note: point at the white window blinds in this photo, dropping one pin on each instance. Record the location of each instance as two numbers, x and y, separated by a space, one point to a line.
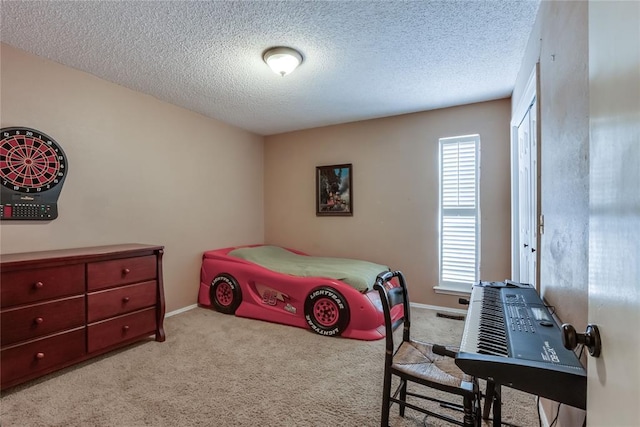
459 219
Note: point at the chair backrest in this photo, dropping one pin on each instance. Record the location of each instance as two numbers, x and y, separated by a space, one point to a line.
391 296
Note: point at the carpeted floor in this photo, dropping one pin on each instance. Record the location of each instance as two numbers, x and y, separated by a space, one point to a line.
221 370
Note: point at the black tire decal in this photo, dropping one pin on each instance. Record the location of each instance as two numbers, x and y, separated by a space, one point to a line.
326 311
225 293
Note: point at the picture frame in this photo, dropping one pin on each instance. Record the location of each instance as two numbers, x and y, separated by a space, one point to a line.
334 190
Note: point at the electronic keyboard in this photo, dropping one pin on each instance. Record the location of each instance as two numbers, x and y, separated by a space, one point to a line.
511 339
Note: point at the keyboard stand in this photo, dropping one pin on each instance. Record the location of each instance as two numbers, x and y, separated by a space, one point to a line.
493 397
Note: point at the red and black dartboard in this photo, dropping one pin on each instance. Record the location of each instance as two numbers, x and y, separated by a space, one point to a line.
33 168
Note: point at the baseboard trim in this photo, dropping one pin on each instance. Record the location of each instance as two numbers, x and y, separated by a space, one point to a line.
180 310
446 310
543 415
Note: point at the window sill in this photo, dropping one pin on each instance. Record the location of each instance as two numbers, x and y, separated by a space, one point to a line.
446 290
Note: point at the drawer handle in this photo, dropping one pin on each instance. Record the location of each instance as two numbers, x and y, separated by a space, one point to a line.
125 299
125 328
38 285
39 356
125 271
38 320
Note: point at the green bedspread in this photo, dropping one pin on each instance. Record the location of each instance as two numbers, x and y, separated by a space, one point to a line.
359 274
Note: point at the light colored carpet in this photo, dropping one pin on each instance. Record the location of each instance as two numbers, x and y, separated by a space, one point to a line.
221 370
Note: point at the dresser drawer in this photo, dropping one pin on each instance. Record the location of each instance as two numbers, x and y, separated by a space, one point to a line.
114 331
38 284
123 271
36 320
116 301
41 355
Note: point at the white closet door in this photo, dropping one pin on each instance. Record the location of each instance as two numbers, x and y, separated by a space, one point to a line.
527 200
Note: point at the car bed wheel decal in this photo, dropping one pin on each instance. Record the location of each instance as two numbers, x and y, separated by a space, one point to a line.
225 293
326 311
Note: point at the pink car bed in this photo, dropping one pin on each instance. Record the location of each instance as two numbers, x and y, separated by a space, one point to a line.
330 296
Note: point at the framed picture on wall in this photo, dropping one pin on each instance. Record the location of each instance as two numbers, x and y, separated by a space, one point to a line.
334 190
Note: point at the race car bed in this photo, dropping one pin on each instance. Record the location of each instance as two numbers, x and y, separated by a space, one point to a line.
330 296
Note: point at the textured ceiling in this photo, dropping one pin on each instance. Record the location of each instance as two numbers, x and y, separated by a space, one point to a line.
362 59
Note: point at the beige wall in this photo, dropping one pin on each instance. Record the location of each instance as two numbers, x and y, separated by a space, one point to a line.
139 170
559 41
395 191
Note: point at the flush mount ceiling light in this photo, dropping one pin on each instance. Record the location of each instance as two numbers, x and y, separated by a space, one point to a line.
282 60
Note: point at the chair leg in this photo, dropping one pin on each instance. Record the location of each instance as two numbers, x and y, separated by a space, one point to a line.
478 409
468 408
403 396
386 393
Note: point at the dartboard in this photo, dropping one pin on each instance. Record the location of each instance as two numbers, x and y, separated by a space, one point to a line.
30 161
32 170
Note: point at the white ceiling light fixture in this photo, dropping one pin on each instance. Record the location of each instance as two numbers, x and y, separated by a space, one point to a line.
282 60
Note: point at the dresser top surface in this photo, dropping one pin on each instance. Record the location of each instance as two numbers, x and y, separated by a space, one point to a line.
85 253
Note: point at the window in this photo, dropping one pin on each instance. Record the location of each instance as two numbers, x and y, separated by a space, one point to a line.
459 212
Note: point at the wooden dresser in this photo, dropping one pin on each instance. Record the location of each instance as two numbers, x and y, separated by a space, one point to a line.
65 306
